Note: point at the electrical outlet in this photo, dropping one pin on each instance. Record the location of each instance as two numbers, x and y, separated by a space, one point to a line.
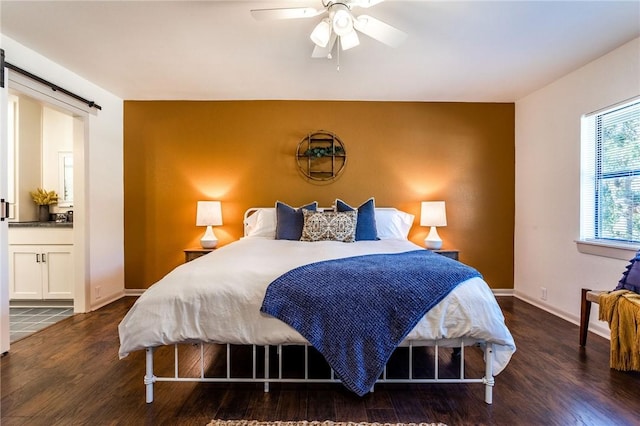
543 293
98 292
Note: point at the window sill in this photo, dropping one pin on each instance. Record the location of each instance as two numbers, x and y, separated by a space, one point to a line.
620 251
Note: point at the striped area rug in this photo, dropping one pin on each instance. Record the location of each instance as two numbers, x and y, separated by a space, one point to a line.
313 423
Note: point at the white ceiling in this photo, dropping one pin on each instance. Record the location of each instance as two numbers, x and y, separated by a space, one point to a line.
475 51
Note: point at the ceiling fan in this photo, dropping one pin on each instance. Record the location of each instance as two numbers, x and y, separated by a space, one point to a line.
339 23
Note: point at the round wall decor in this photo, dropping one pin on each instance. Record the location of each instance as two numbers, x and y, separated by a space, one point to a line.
321 155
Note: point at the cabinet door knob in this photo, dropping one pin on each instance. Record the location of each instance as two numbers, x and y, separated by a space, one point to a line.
44 258
37 257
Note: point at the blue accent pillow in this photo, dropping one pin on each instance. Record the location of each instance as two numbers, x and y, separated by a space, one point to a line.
366 225
631 277
290 221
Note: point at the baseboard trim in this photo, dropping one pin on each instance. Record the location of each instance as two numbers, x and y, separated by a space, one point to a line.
104 302
502 292
595 327
41 303
134 291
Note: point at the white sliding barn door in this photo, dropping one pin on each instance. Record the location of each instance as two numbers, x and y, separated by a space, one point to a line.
4 226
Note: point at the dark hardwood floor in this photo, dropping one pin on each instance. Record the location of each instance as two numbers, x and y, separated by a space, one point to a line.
69 374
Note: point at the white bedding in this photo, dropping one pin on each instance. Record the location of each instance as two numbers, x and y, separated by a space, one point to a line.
217 298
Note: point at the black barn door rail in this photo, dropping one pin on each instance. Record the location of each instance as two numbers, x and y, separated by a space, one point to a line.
41 80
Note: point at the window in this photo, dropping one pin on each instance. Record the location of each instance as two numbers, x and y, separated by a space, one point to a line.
65 180
610 181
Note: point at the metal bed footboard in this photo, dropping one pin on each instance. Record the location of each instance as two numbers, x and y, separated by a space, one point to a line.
150 378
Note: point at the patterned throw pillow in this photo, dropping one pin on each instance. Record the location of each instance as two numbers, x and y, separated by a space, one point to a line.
329 226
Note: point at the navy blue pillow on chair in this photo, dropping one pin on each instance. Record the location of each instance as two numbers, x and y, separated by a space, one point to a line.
366 225
631 277
290 221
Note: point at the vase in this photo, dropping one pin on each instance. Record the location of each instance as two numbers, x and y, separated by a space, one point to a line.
43 213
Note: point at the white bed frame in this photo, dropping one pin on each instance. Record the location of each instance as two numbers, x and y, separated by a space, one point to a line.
150 378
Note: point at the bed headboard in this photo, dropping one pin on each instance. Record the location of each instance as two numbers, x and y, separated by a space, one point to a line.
247 213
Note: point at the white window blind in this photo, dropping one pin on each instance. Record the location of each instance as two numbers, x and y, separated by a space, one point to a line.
610 181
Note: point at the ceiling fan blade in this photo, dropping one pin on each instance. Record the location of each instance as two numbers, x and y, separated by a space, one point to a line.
285 13
379 30
324 52
365 3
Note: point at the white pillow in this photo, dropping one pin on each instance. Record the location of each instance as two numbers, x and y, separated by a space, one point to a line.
261 224
393 224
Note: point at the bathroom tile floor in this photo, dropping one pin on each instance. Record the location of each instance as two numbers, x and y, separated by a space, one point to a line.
24 321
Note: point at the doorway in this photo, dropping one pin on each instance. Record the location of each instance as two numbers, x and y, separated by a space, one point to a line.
40 158
40 179
56 103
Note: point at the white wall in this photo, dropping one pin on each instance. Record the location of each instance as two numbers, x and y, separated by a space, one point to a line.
29 158
103 223
57 137
548 184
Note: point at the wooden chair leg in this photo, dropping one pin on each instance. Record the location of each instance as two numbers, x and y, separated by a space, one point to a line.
585 313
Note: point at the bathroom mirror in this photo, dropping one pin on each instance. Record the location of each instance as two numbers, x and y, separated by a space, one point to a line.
65 170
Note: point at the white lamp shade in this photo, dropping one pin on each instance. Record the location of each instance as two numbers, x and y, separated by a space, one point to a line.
209 213
433 213
321 33
349 40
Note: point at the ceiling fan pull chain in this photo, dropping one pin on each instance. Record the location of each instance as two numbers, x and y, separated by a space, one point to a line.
338 56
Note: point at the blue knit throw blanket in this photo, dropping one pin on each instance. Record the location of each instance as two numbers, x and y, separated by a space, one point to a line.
355 311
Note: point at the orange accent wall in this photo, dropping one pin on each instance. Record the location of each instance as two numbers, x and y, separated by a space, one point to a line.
242 153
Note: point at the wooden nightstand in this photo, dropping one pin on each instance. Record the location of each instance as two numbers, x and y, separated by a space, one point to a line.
194 253
452 254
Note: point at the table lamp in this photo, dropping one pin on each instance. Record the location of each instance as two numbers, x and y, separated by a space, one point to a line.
209 213
433 214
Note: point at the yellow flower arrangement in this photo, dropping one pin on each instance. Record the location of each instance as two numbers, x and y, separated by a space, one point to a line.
44 198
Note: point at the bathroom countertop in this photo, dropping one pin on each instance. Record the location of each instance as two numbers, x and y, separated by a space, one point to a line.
49 224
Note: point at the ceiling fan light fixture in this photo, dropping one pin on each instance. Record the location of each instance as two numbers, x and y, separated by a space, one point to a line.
338 24
349 40
341 19
321 33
